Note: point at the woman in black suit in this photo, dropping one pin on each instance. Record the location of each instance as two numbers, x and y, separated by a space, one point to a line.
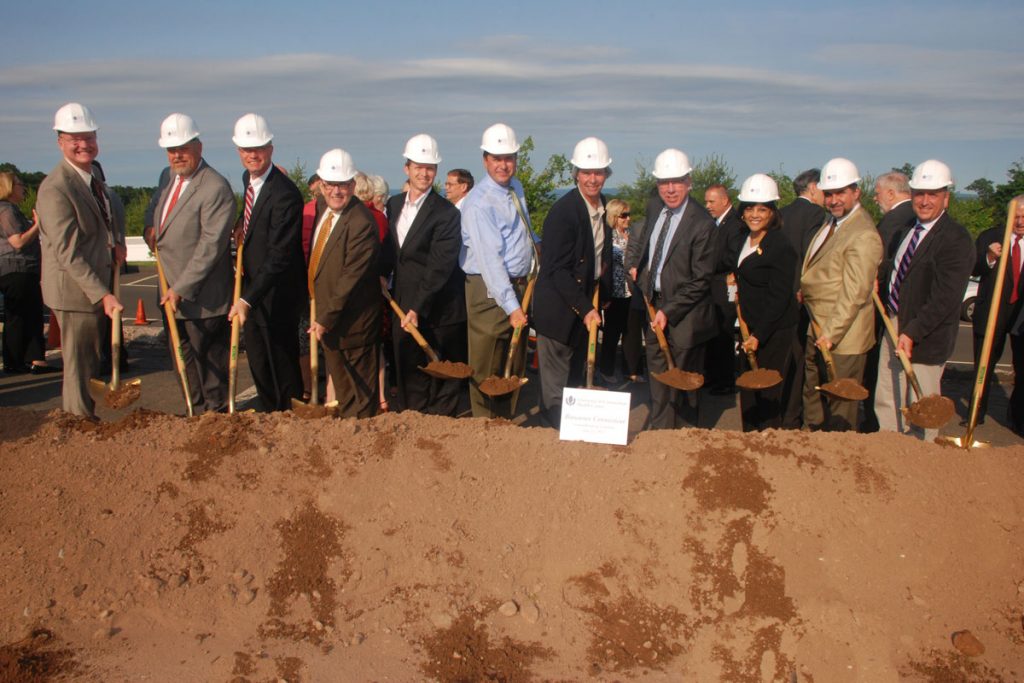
765 273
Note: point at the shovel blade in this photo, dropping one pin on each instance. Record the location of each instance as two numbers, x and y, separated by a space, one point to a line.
680 379
446 369
757 380
931 412
499 386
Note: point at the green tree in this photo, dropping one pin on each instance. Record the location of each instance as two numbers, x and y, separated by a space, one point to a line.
785 184
637 193
971 212
539 187
712 170
298 175
867 197
906 169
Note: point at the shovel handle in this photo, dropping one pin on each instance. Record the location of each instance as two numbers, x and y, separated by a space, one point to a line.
592 343
826 354
115 334
658 332
745 335
314 358
412 328
891 329
172 326
236 333
517 331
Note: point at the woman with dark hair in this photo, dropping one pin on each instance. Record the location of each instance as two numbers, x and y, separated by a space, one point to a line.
765 273
624 317
20 257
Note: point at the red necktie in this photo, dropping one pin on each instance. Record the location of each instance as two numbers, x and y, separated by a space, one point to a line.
249 196
1015 257
170 204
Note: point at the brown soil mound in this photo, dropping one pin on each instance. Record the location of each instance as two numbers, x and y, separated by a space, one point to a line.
261 547
762 378
124 396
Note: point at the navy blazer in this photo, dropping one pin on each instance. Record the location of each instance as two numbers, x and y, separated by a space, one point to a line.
765 284
565 284
987 284
933 289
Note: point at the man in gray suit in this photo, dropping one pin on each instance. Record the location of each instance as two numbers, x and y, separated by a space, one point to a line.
673 260
82 237
190 218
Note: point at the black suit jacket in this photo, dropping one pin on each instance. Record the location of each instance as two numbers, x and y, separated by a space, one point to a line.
273 267
894 222
765 283
686 275
933 288
565 283
987 284
801 219
728 240
427 277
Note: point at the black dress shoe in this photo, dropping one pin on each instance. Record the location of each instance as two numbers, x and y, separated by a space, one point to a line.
41 369
15 369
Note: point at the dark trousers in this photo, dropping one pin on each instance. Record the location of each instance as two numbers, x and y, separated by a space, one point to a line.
273 352
1016 409
671 408
561 365
763 409
622 320
354 372
720 362
792 414
206 346
23 319
418 390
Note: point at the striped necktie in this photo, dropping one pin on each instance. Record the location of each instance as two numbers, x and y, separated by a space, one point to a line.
250 195
901 272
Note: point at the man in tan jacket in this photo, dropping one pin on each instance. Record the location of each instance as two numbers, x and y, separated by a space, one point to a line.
836 282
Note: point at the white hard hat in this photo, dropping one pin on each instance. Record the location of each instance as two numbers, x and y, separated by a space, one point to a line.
74 118
931 175
422 149
176 130
671 164
251 131
759 189
336 166
591 153
837 174
499 139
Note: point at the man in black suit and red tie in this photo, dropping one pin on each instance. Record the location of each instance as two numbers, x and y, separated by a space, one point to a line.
1010 315
720 363
921 282
421 252
273 267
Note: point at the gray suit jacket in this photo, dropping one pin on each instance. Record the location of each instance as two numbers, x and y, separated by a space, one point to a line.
77 260
194 241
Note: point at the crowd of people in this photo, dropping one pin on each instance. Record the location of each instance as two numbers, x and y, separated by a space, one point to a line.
803 279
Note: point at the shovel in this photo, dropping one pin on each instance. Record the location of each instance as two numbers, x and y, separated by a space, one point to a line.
236 331
756 378
437 368
928 412
592 347
673 377
172 326
116 395
845 389
967 441
495 386
313 408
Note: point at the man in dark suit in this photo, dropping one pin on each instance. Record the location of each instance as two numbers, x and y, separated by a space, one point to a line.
575 253
801 219
343 279
922 281
422 256
1010 313
273 276
673 259
189 220
892 194
81 232
720 363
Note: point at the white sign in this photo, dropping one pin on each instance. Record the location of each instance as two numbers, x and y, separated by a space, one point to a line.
595 416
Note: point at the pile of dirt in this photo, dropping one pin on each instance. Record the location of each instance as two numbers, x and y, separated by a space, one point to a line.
261 547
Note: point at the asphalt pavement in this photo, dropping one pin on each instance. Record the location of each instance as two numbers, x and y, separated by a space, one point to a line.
150 361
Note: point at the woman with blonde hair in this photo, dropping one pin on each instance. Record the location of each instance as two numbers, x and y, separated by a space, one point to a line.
624 317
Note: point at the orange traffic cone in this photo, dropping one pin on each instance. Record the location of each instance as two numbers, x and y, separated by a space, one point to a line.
140 314
53 333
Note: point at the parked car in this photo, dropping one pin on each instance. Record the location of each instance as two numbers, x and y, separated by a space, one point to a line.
970 297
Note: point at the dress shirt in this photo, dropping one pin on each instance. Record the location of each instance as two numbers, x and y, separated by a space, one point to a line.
906 243
748 249
184 184
676 216
597 228
257 183
820 239
408 215
316 233
495 243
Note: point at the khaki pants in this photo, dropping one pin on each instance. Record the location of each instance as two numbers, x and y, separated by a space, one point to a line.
822 411
893 393
489 336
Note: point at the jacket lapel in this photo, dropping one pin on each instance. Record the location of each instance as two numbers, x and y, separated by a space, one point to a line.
85 196
262 200
421 217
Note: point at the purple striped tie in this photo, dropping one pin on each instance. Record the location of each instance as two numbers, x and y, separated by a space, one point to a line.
249 194
901 272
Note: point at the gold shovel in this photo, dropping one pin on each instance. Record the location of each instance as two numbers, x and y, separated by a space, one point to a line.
117 396
437 368
673 377
846 388
495 386
172 326
756 378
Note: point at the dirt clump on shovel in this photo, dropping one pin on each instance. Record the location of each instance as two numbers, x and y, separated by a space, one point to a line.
931 412
499 386
123 396
446 369
846 388
681 379
762 378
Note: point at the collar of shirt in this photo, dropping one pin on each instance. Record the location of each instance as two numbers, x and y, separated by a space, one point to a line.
86 176
324 225
839 222
258 182
718 221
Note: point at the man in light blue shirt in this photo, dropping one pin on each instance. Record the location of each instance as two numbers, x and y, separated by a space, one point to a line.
497 253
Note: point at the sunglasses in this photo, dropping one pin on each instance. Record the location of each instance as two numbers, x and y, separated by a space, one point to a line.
624 214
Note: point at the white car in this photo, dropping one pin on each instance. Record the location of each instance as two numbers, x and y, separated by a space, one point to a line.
970 297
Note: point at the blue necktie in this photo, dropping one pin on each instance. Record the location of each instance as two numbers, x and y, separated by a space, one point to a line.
901 272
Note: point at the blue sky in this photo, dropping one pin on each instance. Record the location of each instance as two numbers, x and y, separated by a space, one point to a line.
768 86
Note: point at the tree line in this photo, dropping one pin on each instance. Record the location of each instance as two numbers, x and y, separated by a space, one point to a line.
979 211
